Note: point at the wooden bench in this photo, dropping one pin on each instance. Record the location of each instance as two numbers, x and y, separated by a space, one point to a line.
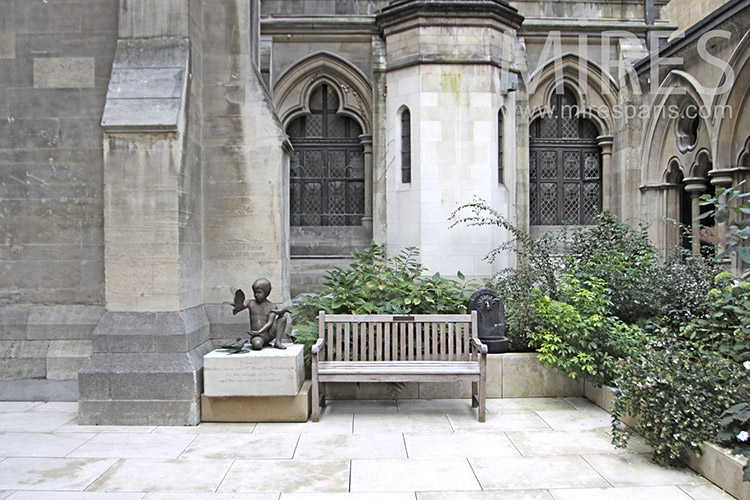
384 348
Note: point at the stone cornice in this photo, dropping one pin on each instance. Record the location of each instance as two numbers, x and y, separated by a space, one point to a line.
458 11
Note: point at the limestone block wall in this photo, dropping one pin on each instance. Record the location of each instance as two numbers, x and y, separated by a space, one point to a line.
244 163
55 60
454 158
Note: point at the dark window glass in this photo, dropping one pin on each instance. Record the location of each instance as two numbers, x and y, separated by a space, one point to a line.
406 147
565 173
327 184
500 131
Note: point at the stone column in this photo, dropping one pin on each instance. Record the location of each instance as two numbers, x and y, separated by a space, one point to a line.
721 179
605 143
695 186
366 142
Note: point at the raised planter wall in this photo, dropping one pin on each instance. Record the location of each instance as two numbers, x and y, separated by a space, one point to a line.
716 464
509 375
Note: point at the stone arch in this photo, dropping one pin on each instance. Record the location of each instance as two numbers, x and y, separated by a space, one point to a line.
731 111
660 139
293 88
597 94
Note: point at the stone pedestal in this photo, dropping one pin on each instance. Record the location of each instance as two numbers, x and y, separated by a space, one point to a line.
268 372
256 386
258 409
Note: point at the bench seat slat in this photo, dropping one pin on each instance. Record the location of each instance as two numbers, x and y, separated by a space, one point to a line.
405 367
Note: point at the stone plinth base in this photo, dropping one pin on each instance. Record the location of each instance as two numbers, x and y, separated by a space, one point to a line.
257 409
268 372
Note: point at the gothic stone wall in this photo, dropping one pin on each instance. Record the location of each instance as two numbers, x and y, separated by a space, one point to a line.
55 60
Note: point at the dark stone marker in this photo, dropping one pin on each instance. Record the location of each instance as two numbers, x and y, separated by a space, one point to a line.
490 319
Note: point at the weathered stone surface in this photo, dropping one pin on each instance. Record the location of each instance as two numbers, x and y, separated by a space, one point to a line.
7 45
63 72
258 409
268 372
66 357
38 390
148 85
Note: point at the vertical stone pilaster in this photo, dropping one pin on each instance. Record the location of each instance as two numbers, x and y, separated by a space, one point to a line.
148 350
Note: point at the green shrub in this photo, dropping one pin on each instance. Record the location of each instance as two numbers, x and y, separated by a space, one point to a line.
727 328
624 258
377 284
538 266
579 336
678 390
734 432
682 284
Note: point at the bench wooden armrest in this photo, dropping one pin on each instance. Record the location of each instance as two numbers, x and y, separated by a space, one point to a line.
318 346
478 345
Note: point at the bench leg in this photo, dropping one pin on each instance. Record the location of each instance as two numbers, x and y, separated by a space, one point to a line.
482 400
322 392
474 395
315 401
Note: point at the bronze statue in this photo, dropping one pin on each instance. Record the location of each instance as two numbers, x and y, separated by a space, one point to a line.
267 322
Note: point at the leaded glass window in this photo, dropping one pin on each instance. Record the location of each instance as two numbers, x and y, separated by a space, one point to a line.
405 146
500 126
327 176
565 168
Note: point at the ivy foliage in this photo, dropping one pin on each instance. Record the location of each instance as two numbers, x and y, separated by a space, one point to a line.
679 391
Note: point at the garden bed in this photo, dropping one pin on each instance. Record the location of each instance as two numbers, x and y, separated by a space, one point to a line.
716 464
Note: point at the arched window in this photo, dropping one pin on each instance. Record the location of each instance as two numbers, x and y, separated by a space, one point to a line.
327 165
405 146
565 166
500 131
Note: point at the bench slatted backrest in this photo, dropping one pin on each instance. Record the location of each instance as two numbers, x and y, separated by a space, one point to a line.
351 337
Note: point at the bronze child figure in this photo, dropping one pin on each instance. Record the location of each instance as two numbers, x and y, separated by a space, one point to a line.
267 322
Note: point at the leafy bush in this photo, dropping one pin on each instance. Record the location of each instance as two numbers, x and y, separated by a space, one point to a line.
738 236
682 284
624 258
727 328
580 336
678 390
734 432
377 284
538 267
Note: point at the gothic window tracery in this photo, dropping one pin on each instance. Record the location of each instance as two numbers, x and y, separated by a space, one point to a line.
327 165
565 166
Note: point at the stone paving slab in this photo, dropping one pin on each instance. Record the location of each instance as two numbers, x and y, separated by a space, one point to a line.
459 445
541 443
31 421
452 474
287 476
163 475
529 449
632 493
345 446
64 474
78 495
639 470
239 447
536 473
485 495
41 444
133 446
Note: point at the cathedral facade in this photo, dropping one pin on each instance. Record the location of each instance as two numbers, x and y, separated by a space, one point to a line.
154 155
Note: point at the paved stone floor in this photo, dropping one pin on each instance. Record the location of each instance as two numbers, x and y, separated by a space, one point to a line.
537 449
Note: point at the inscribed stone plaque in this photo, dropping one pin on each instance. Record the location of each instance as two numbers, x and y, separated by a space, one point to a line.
268 372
